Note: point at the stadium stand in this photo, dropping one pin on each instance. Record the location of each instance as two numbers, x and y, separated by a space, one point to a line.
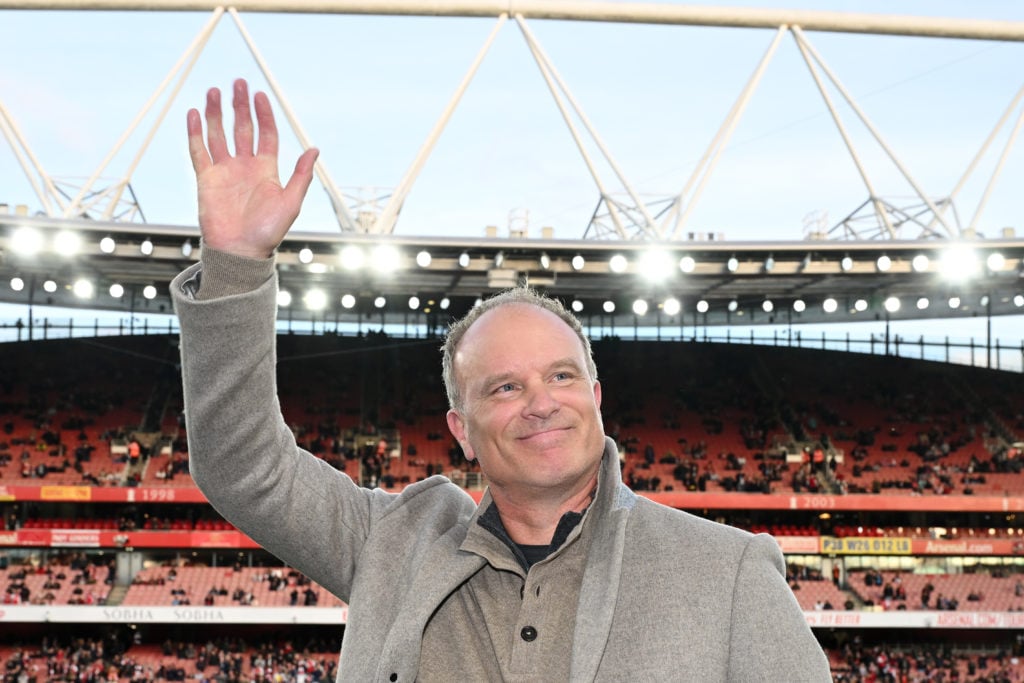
862 468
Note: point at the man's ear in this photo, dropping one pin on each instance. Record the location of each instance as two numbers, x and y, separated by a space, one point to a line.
457 426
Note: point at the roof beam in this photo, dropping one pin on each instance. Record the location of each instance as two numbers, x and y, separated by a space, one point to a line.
619 12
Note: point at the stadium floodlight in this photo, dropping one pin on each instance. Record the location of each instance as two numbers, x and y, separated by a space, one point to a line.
380 302
49 286
687 264
767 306
578 262
414 302
892 304
464 260
284 298
671 306
499 259
83 288
1018 300
26 241
860 305
348 301
829 305
67 243
108 245
920 263
640 307
423 258
995 262
186 248
733 305
305 255
799 306
351 257
846 264
544 261
954 302
116 290
315 299
577 306
984 300
608 306
149 291
318 268
732 265
923 303
655 265
385 258
618 263
883 263
769 264
17 284
146 247
702 306
959 262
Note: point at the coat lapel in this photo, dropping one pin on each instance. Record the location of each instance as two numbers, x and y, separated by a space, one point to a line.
604 569
443 570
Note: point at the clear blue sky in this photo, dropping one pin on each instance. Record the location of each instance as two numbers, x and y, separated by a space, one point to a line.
367 90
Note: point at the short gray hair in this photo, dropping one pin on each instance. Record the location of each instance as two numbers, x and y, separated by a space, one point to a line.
516 295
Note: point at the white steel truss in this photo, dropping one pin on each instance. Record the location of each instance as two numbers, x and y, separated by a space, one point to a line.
620 214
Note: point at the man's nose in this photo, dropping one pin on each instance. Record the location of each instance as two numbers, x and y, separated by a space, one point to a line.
541 400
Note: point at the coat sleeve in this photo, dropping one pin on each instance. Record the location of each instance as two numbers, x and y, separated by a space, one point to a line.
242 454
770 638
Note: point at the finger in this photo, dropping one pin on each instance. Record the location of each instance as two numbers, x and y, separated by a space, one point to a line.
215 127
268 127
196 149
302 176
243 120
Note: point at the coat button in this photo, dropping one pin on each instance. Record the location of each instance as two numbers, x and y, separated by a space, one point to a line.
393 678
529 634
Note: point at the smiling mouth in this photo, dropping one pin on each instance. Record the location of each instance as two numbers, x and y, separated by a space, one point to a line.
543 433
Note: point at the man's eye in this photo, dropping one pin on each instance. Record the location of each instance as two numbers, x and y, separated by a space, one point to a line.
505 388
562 376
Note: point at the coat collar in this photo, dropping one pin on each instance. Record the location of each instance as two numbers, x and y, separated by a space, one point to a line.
600 586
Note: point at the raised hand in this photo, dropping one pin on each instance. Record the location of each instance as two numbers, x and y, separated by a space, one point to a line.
243 208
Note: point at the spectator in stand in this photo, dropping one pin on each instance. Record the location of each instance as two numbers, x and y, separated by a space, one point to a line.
134 452
558 568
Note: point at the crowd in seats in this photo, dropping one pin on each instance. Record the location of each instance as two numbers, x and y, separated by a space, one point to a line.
976 592
220 658
62 403
814 591
169 470
257 657
995 591
858 662
67 579
700 420
226 586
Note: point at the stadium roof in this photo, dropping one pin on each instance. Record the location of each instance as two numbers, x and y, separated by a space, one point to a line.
716 282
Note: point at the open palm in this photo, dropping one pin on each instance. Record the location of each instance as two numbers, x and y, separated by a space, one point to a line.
243 208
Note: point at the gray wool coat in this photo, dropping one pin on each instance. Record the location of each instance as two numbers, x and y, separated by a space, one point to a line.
665 595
